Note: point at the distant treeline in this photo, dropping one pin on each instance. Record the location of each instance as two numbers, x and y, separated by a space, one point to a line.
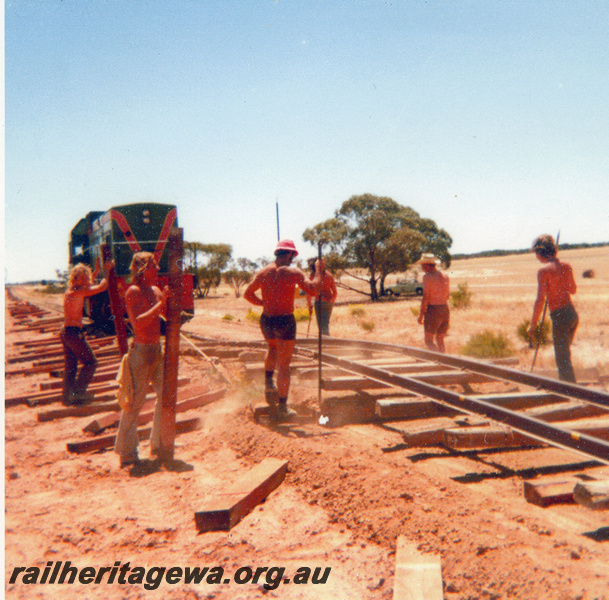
490 253
34 282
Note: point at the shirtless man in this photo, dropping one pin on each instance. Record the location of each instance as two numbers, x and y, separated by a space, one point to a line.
555 283
75 346
434 313
145 304
277 283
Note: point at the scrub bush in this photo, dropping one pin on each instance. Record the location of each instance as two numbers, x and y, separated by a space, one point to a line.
357 311
367 325
541 334
462 297
301 314
488 345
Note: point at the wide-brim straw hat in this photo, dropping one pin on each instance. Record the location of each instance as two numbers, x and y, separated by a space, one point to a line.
428 259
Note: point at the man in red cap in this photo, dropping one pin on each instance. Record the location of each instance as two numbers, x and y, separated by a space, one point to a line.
277 283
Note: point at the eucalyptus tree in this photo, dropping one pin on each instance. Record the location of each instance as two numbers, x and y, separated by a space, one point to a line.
379 235
240 272
206 262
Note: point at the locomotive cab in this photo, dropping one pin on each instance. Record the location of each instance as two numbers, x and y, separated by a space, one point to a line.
80 245
126 229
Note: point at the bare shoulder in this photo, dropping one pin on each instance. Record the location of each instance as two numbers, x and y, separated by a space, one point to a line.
133 291
545 270
565 273
285 272
294 272
78 293
266 271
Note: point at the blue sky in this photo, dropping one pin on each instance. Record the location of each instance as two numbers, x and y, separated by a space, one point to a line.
490 117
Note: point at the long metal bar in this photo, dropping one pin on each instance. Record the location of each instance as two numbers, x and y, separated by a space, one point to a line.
572 390
571 440
172 346
579 442
594 396
319 332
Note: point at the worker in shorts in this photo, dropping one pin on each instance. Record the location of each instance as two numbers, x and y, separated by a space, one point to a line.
277 283
434 313
555 284
75 346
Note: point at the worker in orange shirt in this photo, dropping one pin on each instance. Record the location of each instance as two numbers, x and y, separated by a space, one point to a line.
324 301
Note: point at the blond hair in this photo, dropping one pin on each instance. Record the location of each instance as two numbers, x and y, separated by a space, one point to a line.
140 263
79 271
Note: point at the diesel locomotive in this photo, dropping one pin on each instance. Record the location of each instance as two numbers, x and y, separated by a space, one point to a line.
127 229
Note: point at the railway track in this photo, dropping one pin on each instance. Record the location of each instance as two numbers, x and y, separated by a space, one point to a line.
460 406
531 412
464 406
427 378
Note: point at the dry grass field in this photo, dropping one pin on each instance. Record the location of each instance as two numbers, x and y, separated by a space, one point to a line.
503 291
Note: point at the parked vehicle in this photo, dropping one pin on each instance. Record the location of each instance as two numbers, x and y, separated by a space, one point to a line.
405 287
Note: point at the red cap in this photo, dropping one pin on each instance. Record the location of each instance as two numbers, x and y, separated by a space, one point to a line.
286 245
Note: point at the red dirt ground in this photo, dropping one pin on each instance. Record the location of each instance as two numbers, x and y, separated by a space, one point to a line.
343 505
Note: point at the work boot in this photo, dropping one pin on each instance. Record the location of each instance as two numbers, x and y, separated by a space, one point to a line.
73 399
78 398
270 393
284 413
130 461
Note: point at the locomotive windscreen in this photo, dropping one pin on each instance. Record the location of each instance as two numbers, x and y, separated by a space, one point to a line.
135 228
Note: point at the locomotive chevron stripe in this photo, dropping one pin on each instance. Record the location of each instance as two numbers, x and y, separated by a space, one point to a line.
121 221
167 225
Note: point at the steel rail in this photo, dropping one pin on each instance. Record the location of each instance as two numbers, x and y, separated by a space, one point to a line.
594 396
536 428
572 440
572 390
